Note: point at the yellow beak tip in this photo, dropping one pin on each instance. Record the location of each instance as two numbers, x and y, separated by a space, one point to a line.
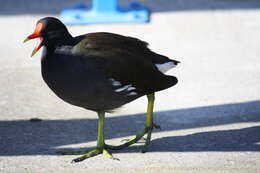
33 52
27 39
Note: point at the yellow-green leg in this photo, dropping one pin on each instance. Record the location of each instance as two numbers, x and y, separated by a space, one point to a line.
101 146
100 149
149 121
149 125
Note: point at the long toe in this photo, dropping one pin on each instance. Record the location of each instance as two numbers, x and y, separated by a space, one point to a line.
132 141
142 139
87 155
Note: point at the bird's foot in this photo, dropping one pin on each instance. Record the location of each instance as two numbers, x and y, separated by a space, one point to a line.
131 141
143 139
88 154
148 138
147 141
135 139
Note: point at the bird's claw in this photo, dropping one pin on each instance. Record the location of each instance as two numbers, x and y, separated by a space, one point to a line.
109 155
88 154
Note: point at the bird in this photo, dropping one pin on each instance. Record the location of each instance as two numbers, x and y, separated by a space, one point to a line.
101 71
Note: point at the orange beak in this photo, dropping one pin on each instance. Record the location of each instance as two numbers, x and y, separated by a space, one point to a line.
36 34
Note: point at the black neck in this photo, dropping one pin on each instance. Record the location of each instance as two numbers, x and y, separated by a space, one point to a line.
58 39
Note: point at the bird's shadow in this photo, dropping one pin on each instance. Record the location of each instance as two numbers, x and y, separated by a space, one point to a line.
47 137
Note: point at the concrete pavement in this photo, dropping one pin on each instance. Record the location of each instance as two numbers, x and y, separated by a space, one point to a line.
210 120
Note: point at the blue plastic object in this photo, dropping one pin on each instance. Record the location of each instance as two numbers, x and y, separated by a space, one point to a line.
104 11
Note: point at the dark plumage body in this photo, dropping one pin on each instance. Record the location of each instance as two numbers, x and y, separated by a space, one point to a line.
101 72
82 70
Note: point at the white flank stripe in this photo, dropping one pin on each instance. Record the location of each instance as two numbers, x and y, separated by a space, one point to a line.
114 82
123 88
131 88
132 94
165 67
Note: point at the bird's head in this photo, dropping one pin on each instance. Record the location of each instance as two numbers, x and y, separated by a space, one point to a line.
51 32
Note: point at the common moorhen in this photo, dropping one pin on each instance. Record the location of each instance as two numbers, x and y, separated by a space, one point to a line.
101 72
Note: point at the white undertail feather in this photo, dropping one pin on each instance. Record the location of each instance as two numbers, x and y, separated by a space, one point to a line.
165 66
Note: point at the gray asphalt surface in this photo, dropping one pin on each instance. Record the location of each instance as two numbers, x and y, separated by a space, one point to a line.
210 121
